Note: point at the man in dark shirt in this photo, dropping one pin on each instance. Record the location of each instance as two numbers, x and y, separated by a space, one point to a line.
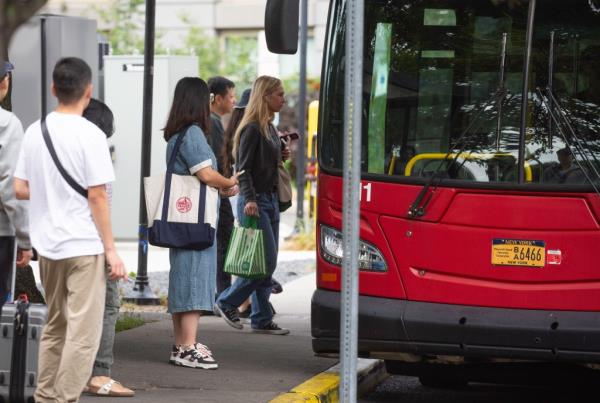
222 101
222 95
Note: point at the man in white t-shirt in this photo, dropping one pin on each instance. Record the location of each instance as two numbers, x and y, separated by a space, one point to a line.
72 234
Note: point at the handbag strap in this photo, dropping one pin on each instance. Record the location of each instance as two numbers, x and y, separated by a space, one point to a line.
170 168
76 186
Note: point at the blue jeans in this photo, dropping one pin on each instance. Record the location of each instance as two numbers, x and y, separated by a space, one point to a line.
260 289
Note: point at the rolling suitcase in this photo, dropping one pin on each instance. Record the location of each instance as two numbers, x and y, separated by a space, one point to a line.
20 332
21 325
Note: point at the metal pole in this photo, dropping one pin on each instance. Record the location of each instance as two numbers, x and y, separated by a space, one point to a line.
576 64
550 86
351 208
142 294
300 152
502 87
525 92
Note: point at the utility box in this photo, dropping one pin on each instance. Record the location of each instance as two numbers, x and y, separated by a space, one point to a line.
123 88
34 50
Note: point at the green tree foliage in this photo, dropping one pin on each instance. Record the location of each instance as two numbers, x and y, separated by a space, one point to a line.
124 20
123 24
234 58
197 42
241 60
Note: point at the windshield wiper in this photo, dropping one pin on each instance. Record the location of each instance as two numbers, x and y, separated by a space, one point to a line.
419 205
577 142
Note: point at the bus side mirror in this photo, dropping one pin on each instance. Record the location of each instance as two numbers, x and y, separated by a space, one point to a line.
281 26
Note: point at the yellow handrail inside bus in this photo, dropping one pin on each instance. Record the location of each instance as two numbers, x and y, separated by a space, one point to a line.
466 156
392 165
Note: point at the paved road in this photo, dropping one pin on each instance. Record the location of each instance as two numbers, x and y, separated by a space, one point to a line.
252 368
404 389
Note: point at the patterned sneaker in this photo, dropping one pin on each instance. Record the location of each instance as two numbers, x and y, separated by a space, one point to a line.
231 316
203 349
174 352
210 362
192 358
271 328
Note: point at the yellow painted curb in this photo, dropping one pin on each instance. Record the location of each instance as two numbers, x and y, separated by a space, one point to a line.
322 388
292 397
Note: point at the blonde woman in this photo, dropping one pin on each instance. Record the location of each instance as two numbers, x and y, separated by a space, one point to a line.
257 151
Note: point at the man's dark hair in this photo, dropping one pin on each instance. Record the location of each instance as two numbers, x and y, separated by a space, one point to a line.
71 76
219 85
100 114
190 106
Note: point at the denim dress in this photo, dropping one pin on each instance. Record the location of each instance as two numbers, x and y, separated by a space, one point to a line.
192 277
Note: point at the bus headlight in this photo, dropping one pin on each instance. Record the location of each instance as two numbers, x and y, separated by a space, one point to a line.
332 250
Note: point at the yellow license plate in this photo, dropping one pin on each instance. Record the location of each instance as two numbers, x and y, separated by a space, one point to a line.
517 252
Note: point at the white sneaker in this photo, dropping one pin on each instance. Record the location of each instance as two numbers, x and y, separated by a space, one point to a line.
194 358
174 352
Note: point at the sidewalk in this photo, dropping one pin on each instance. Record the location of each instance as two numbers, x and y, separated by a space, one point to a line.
252 368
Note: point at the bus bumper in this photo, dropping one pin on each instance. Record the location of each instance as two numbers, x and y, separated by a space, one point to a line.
391 325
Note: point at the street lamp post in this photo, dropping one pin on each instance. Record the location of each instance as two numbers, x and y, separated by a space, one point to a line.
142 294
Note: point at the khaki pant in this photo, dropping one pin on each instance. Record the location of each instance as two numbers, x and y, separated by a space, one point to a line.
75 291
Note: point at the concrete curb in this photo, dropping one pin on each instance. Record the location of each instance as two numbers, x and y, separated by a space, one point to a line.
323 388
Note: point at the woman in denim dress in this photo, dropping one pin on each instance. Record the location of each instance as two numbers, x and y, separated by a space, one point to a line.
257 151
193 273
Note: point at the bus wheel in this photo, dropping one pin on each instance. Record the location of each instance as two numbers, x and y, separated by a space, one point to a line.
442 382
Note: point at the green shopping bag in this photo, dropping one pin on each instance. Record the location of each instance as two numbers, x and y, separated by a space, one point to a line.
246 251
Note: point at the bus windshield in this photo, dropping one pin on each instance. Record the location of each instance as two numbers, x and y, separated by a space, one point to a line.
443 90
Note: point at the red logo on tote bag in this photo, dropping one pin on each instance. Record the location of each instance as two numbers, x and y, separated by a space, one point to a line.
184 204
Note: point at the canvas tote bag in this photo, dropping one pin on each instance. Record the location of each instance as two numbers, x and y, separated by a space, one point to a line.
246 252
284 187
182 211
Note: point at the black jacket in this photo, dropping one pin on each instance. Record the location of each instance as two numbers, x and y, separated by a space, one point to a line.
215 140
258 156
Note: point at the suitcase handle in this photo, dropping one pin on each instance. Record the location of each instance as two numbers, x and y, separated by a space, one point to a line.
21 314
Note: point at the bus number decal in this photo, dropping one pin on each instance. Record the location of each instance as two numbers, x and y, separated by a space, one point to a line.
367 189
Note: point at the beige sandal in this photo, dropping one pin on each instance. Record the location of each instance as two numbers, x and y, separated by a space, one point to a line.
107 390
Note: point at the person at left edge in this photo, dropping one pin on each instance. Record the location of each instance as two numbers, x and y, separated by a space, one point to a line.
13 212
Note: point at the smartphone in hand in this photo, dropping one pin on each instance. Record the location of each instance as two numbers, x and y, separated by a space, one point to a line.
292 136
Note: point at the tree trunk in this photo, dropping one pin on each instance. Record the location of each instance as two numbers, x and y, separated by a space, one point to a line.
12 14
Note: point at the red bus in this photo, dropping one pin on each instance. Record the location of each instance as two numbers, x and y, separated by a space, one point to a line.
480 210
